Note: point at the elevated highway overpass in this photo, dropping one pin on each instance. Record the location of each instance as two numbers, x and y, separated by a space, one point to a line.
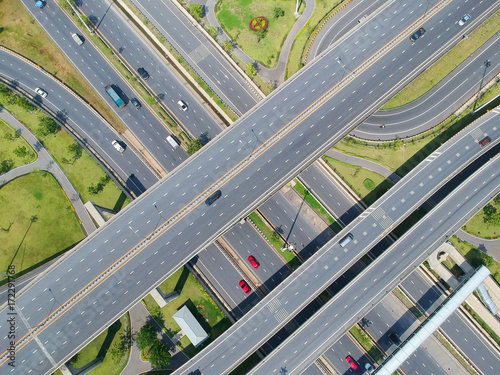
112 269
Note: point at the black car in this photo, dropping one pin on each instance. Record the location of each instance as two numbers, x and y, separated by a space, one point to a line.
144 74
393 338
417 34
211 199
136 103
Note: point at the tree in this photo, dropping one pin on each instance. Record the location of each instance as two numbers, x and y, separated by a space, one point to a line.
196 11
278 12
24 103
227 45
159 354
251 69
76 150
21 151
489 212
120 348
213 31
194 146
6 165
48 126
146 337
11 136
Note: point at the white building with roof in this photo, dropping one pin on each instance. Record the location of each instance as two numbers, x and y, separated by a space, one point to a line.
190 326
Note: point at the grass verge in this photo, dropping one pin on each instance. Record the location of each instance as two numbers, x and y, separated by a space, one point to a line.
366 343
482 323
402 156
275 240
37 222
476 257
80 168
432 76
235 17
368 185
11 141
483 227
102 347
316 206
160 39
409 304
199 303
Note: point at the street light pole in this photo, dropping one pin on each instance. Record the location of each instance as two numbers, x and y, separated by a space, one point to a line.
487 64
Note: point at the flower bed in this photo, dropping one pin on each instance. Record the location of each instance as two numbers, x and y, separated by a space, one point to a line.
259 24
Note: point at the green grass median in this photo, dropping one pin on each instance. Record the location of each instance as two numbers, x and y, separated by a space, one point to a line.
37 222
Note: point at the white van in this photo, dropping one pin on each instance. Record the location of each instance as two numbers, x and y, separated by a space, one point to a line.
173 142
344 241
77 38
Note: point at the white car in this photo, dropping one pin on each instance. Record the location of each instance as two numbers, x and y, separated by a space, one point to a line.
118 146
41 92
464 19
369 368
182 105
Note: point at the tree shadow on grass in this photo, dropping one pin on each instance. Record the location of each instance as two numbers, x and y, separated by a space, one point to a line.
25 271
120 202
112 331
182 280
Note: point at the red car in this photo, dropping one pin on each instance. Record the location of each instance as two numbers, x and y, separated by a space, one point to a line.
245 287
253 262
351 362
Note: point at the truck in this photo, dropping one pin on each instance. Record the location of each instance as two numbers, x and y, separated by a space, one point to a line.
40 4
116 98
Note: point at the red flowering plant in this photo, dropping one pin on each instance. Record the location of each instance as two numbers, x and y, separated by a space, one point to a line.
259 24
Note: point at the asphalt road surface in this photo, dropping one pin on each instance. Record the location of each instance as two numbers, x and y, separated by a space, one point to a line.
200 54
99 73
134 224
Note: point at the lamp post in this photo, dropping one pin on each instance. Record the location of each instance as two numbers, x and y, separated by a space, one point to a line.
487 64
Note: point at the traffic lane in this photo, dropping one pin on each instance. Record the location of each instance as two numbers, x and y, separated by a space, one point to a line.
208 62
80 117
314 145
390 315
440 102
313 370
428 296
339 312
144 124
138 54
478 350
330 194
342 23
219 209
246 241
296 226
224 277
421 361
345 346
456 327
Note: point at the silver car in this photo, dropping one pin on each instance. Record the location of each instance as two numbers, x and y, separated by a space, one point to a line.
464 19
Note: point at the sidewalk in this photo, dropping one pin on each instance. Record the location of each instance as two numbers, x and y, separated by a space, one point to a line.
45 162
